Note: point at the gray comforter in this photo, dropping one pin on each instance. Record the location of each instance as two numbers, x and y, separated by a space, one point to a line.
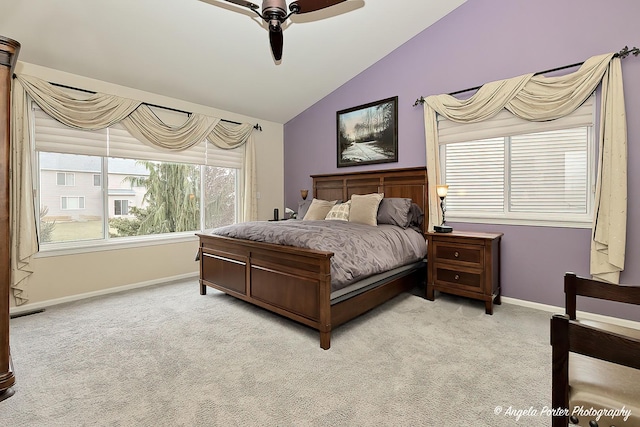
359 250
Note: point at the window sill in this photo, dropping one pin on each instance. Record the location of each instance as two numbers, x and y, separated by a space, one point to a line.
63 249
524 222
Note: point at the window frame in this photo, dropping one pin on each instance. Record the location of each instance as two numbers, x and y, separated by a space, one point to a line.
507 217
107 243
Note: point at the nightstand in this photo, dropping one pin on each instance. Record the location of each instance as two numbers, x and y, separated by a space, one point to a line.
464 263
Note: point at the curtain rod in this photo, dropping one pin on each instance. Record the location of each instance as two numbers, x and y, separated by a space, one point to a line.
256 126
622 54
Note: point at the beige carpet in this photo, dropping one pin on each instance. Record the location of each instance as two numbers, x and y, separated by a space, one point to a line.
167 356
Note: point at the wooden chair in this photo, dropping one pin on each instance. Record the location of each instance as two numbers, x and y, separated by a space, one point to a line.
596 365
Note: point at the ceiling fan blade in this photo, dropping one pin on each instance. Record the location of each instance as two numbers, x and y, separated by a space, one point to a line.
305 6
276 40
243 3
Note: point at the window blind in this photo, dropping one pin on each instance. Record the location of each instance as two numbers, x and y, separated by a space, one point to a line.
506 166
52 136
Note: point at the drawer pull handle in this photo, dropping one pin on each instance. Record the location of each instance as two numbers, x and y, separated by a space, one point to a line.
457 277
456 254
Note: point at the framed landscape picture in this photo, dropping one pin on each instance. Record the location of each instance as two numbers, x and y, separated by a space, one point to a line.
368 133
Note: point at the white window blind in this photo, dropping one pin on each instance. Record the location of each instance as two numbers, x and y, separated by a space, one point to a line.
55 137
506 167
221 158
549 171
466 191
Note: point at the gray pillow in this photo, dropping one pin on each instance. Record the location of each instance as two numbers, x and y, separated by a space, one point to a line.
303 207
395 211
416 216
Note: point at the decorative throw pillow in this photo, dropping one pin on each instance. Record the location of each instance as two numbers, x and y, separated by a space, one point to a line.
318 209
395 211
303 207
339 212
364 208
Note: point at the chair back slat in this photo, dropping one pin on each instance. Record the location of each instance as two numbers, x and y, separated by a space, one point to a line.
579 286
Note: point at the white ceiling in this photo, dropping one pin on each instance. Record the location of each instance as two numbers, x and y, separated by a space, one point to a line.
215 53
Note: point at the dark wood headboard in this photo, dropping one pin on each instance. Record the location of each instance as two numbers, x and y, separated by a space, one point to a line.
410 183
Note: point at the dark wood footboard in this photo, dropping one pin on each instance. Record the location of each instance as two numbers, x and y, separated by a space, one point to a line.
293 282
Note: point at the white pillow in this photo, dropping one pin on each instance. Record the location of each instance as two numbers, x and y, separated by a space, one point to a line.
318 209
339 212
364 208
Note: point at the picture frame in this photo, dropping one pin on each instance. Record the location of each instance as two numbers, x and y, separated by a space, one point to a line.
368 134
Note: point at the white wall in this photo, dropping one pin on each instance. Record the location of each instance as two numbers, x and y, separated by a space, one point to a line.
71 276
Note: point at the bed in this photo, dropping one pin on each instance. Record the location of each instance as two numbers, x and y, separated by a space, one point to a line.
296 282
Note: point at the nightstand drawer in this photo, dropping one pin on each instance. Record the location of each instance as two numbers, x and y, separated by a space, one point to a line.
471 254
463 278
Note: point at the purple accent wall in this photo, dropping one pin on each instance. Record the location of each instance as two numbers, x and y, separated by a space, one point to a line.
482 41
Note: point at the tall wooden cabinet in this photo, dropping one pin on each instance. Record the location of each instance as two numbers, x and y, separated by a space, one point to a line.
8 56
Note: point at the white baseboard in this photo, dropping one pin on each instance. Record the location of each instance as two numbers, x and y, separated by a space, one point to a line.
44 304
580 314
507 300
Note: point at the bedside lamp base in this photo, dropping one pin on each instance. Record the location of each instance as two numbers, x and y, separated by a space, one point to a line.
442 229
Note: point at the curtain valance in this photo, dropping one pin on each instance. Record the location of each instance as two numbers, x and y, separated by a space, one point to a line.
98 111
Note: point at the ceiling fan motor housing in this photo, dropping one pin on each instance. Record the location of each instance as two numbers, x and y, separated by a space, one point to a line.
274 9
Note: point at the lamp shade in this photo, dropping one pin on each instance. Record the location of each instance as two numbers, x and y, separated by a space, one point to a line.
442 190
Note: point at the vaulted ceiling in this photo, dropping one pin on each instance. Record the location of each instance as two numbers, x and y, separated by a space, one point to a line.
214 53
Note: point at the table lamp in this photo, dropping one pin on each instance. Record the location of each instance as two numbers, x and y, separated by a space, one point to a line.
442 191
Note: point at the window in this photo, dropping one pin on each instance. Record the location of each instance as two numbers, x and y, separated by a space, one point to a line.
68 179
124 190
68 202
220 195
507 170
120 207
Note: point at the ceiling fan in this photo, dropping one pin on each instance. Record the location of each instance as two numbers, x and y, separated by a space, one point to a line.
274 13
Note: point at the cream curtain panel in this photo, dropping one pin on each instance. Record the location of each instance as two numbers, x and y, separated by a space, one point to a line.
98 111
229 136
539 98
24 239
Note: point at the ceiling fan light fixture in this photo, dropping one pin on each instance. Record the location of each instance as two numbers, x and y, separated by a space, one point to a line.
274 25
274 13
